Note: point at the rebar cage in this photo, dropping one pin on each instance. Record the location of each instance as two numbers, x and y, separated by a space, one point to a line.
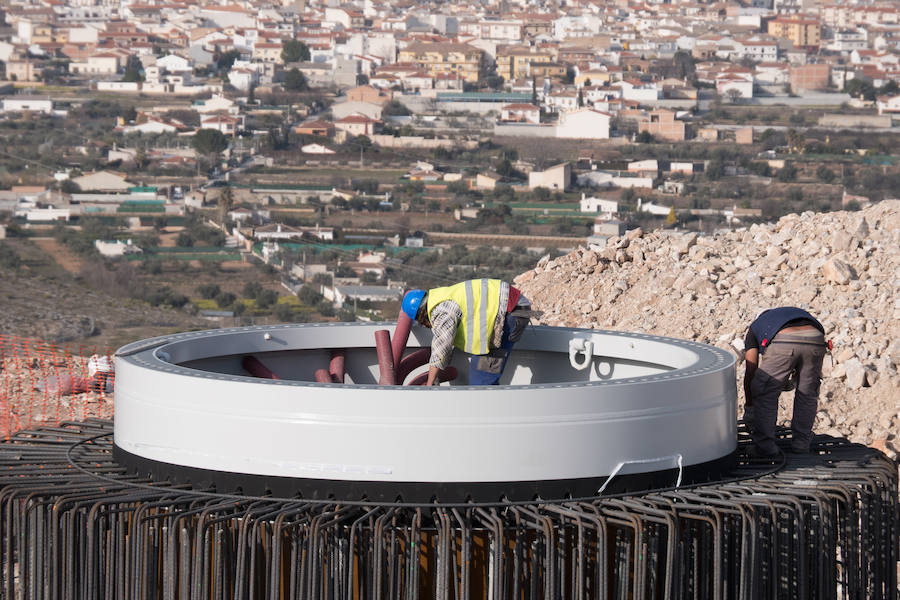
77 525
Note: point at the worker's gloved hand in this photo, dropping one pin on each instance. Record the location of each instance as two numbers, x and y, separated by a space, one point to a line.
518 329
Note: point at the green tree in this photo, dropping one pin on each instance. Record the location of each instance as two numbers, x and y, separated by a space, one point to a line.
295 81
395 108
859 88
225 60
252 289
891 88
209 291
69 187
209 141
541 194
133 69
825 174
715 170
733 95
495 82
294 51
225 299
684 64
266 298
283 312
787 173
325 308
308 295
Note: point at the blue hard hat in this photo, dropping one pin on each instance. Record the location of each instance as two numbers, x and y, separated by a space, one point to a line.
411 302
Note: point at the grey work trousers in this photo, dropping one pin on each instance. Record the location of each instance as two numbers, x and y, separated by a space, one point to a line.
801 352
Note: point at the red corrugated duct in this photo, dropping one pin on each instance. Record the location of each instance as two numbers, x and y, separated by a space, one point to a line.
400 338
385 357
336 365
256 368
411 362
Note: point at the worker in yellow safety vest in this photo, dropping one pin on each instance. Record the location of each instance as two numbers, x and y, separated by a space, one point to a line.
483 317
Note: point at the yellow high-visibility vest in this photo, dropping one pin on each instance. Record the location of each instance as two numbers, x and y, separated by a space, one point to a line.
479 300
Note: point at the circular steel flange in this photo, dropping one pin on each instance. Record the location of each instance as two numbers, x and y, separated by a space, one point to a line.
579 412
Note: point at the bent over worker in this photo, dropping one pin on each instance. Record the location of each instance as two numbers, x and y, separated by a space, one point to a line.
483 317
779 342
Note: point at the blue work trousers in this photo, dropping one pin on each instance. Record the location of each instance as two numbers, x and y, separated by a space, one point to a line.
487 369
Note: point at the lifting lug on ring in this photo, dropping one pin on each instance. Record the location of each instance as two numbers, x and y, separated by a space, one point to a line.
579 345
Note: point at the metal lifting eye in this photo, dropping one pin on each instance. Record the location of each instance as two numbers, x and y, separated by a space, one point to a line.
577 346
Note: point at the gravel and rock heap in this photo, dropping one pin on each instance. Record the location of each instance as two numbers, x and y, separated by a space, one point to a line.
844 267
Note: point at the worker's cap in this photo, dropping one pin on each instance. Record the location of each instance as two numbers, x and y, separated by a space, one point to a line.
411 302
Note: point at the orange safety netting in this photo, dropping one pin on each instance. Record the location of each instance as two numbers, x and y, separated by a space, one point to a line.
46 384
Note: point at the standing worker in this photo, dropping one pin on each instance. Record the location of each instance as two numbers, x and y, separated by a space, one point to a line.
483 317
780 342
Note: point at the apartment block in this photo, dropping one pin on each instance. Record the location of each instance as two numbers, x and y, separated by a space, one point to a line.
445 58
803 33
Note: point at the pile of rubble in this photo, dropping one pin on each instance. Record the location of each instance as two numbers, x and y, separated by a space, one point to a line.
844 267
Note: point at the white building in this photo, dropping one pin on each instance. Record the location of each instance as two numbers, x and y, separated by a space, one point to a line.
150 126
116 248
217 103
242 78
888 105
561 101
681 167
98 64
654 209
316 149
24 103
598 205
48 214
555 178
640 92
772 73
757 50
603 179
640 166
172 63
585 124
736 85
848 40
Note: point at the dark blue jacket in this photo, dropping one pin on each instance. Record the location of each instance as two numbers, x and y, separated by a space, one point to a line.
771 321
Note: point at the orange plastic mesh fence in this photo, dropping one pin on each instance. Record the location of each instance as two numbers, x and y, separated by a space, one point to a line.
45 384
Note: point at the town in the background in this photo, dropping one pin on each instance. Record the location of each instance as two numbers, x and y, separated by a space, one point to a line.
297 161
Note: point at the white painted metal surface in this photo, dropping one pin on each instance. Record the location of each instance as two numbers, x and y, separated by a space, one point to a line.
643 401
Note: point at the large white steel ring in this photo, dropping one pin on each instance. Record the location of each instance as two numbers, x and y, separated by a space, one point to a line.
646 411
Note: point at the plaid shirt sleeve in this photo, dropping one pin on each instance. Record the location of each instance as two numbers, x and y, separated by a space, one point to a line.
445 318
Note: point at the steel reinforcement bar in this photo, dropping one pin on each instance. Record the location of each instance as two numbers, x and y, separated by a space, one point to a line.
76 525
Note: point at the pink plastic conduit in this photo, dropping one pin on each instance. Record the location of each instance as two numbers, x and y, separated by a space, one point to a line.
252 365
385 357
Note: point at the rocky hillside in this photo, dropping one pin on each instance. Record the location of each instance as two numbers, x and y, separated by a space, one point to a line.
844 267
63 310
